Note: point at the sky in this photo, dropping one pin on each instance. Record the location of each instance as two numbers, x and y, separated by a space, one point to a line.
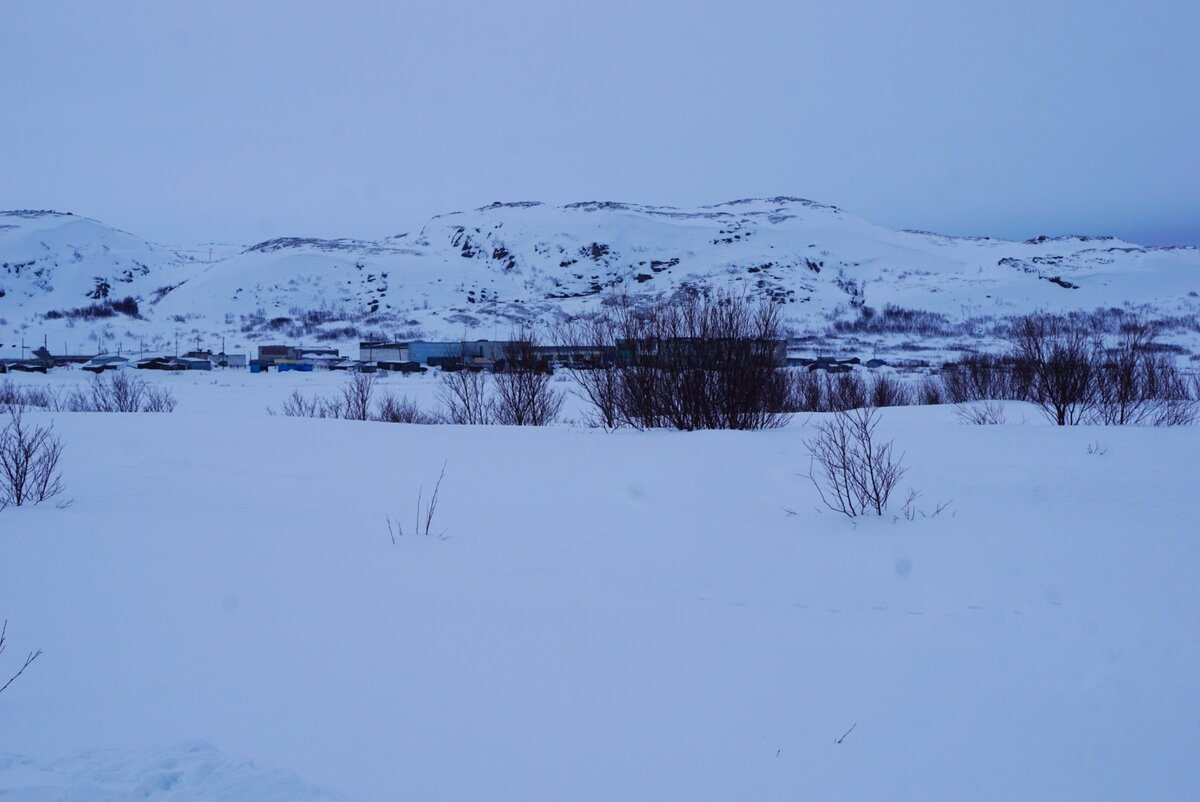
189 122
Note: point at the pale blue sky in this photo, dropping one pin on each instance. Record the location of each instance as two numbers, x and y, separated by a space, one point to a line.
238 121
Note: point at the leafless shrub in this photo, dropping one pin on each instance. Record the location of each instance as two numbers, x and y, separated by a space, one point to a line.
845 391
982 413
808 391
29 658
888 391
158 399
910 510
425 513
984 377
465 398
355 401
694 361
119 391
853 473
1062 365
29 456
597 376
16 395
1135 384
524 395
931 392
393 409
297 405
896 319
356 397
1178 412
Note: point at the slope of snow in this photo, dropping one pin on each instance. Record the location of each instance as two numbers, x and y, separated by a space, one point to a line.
188 772
654 615
475 273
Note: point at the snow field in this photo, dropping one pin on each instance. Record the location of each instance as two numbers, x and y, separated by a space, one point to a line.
607 616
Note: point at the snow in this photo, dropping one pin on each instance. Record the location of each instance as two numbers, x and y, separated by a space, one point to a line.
597 616
192 771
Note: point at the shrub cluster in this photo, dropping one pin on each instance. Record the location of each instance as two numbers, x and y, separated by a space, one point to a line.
357 400
1076 375
118 391
691 362
111 308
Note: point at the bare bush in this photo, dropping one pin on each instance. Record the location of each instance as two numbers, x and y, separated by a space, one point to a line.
984 377
29 456
853 473
425 512
465 398
355 401
1062 366
297 405
896 319
1071 368
888 391
158 399
808 391
597 376
524 394
931 392
16 395
982 413
690 362
357 396
29 658
119 392
393 409
844 391
1136 384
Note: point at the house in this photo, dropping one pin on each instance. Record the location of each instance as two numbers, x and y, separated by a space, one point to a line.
321 358
160 363
99 364
270 354
219 360
27 367
402 367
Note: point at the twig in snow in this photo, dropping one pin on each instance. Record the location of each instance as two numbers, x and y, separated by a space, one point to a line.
28 659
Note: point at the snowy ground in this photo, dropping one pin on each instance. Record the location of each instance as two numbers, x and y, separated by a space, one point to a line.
604 616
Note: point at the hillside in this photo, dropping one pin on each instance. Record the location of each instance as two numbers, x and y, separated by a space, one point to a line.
475 273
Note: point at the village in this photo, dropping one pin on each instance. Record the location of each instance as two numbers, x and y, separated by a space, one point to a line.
417 357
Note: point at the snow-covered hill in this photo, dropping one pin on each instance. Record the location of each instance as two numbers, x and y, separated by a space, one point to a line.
475 273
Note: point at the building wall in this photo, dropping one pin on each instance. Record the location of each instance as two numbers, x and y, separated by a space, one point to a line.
395 352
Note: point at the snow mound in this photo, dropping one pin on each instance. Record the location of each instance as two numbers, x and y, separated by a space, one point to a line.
192 770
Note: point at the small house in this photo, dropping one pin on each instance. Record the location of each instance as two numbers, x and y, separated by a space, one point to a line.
99 364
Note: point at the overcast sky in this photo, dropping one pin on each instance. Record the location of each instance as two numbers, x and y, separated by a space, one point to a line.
238 121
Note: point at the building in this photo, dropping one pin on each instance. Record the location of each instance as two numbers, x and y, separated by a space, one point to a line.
270 354
683 352
383 352
219 360
99 364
